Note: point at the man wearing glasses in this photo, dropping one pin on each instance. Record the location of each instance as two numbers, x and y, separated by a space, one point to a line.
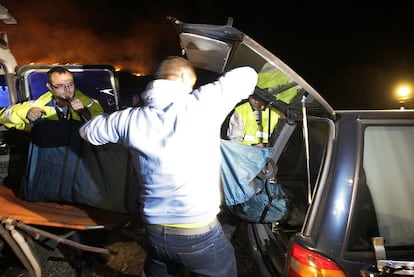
62 102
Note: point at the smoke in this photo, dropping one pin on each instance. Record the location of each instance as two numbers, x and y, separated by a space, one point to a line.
132 37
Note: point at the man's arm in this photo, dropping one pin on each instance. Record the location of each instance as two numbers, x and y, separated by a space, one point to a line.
106 128
15 116
86 106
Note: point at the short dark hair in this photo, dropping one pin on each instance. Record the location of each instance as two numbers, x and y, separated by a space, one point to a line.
57 69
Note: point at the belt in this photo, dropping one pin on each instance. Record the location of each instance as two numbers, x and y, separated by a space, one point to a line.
184 231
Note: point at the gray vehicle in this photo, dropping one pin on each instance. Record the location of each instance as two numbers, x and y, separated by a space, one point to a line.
349 174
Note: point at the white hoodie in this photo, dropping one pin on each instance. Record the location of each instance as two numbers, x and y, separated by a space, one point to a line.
174 140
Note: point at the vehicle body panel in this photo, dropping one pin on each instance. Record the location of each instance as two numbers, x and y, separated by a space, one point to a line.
341 221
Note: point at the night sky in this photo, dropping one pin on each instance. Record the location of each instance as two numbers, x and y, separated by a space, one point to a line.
353 55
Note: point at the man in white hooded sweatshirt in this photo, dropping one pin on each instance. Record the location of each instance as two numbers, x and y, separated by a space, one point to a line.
174 139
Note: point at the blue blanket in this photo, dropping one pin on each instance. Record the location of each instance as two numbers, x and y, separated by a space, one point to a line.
250 196
64 168
239 168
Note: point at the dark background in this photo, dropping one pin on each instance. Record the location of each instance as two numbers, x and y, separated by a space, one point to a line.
354 55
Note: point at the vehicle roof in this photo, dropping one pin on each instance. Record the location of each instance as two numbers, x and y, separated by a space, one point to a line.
400 113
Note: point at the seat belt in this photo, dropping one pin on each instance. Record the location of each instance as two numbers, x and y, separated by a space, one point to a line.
281 134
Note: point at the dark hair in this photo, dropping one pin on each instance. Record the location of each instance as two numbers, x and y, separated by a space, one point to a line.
172 67
57 69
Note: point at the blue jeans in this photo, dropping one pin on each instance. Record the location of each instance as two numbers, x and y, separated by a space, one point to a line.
207 254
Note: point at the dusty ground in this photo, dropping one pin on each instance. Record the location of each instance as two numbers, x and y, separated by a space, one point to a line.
129 255
130 258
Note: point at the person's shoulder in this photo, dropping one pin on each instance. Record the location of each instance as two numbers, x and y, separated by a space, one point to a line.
47 96
78 93
244 70
242 102
243 75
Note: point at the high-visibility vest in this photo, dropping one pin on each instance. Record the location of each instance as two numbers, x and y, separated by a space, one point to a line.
253 133
15 116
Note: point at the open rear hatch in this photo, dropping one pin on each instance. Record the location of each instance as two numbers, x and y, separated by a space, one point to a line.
219 48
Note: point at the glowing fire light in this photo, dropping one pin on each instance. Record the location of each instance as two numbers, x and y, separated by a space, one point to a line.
46 35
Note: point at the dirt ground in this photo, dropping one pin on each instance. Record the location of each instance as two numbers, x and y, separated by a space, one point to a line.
130 256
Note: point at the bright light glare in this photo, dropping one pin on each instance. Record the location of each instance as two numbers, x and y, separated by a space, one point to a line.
403 92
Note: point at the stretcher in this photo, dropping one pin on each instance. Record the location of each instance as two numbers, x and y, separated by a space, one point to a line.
25 223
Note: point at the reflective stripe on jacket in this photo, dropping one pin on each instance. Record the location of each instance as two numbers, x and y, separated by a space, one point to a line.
252 132
15 116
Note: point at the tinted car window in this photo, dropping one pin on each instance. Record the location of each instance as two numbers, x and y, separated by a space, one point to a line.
384 205
293 162
4 92
388 162
4 88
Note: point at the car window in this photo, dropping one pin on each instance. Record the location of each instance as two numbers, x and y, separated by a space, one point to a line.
293 162
4 92
97 82
384 205
388 162
4 89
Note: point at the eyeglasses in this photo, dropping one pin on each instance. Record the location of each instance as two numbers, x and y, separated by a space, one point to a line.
63 86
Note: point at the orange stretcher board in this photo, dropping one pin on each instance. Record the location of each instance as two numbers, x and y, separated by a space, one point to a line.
58 215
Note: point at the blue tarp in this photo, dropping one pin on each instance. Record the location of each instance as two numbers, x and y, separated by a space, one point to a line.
249 196
239 168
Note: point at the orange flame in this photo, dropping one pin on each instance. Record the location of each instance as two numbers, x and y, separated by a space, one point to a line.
47 34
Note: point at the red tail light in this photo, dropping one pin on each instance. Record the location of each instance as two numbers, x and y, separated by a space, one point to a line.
305 263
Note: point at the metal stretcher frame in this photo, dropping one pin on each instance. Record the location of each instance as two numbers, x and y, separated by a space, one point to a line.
17 217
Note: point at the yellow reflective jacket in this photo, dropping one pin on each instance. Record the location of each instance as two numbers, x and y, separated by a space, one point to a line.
252 132
15 116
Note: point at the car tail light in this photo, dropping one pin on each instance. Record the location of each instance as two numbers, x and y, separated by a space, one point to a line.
305 263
